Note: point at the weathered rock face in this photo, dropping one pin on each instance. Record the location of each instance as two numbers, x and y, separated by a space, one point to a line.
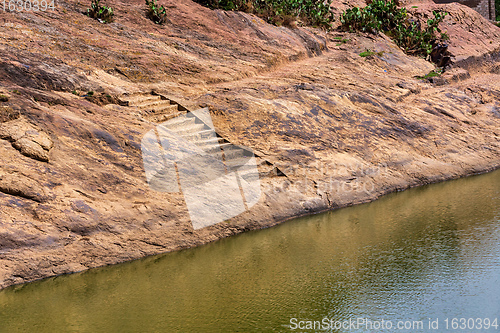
329 127
25 138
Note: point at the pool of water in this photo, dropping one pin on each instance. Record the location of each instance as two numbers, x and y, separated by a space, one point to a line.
426 254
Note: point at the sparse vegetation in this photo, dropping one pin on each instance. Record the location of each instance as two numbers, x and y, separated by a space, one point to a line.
370 53
407 32
497 9
3 98
341 41
8 114
284 12
431 74
102 98
157 14
367 53
100 12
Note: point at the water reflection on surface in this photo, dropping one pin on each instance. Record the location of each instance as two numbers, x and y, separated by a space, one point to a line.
431 252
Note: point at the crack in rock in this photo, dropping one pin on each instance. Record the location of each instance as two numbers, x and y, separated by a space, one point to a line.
21 186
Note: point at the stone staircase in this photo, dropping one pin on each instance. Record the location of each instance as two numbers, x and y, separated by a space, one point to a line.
236 158
153 107
159 109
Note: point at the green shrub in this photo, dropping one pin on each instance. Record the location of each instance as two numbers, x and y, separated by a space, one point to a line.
157 14
497 9
407 33
380 15
280 12
101 13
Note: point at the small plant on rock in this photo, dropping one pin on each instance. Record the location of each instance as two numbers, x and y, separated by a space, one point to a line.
431 74
340 41
157 14
367 53
103 14
7 114
370 53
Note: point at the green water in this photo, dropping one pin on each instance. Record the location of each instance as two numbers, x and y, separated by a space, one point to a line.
431 252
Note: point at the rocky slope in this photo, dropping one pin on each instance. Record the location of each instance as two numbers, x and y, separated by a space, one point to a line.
329 127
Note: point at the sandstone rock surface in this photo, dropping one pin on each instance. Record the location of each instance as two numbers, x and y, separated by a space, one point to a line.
329 128
25 138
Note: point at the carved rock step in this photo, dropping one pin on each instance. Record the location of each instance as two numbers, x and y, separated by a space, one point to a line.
200 137
161 117
164 108
154 108
155 105
189 129
135 99
216 150
208 143
231 153
183 125
194 136
238 162
247 173
236 153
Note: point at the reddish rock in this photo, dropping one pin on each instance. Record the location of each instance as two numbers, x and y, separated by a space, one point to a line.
329 127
